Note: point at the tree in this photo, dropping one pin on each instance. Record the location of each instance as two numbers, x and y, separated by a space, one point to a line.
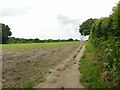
4 33
36 40
70 39
86 26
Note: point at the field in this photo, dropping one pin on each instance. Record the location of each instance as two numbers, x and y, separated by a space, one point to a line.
25 65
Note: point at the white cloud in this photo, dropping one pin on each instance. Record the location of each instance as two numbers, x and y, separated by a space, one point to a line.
7 12
51 18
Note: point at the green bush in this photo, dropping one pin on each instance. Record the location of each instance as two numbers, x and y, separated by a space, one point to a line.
105 36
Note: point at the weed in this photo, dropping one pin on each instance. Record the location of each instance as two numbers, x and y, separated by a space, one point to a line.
29 84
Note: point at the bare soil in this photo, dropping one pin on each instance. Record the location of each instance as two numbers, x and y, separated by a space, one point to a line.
24 66
66 74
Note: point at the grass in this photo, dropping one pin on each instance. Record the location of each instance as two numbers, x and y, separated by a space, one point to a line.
29 46
91 68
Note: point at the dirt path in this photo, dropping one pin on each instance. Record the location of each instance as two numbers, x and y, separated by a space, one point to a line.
66 74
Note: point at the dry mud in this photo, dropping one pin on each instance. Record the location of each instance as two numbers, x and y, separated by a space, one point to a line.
66 74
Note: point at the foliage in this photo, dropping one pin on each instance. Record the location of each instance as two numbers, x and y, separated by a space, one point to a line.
70 39
4 33
85 27
105 36
36 40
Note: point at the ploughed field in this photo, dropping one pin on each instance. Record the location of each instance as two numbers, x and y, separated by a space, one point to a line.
25 65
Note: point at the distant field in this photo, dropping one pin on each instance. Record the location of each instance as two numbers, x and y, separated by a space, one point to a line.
20 47
24 65
33 45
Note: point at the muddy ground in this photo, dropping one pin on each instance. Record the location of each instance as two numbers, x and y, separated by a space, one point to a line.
27 68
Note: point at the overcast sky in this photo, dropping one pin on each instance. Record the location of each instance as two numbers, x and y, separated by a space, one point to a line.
51 19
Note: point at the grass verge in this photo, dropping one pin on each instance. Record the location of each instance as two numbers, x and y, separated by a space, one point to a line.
91 68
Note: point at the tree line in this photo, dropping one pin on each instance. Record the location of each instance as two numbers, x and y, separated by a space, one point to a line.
36 40
105 36
5 37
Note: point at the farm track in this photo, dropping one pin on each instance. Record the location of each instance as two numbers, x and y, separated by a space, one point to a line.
66 74
24 66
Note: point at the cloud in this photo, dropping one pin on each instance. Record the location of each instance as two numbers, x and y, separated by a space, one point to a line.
11 11
67 20
50 18
69 25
